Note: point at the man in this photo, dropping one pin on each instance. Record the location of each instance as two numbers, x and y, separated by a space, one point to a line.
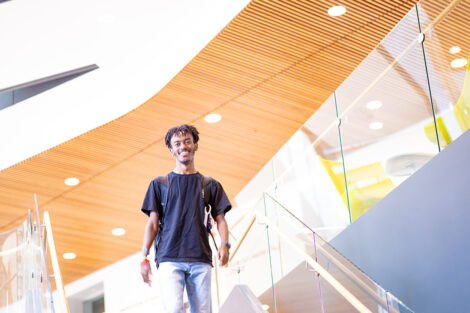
179 206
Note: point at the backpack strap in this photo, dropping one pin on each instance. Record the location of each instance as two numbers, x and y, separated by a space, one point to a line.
205 181
164 181
164 186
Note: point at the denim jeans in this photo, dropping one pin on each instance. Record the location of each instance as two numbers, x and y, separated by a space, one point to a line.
195 276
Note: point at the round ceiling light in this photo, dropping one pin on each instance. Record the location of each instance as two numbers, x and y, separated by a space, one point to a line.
118 231
213 118
374 104
376 125
69 255
72 181
336 10
454 49
458 63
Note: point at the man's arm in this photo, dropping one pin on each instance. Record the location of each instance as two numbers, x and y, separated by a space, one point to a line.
151 230
222 228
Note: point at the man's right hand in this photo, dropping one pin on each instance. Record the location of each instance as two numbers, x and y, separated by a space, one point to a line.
146 272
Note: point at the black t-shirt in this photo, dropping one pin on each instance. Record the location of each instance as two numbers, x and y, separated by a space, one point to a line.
182 235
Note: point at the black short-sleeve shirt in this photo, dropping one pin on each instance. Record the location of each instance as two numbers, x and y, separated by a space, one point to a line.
182 235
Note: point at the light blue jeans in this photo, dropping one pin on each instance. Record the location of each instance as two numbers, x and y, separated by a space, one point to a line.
195 276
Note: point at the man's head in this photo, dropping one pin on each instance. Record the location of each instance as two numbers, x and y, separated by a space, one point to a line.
181 130
182 142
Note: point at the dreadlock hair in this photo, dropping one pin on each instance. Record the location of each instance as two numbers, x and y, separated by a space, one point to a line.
182 129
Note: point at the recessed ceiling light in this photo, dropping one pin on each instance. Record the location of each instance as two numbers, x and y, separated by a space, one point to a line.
72 181
265 307
336 10
213 118
118 231
376 125
458 63
374 104
69 255
454 49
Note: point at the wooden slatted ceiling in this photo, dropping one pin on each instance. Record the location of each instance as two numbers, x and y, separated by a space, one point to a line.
265 73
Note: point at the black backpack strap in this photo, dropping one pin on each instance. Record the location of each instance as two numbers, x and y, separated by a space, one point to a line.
164 186
206 197
206 192
164 181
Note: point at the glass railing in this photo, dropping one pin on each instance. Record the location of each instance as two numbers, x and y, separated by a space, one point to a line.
407 101
289 267
25 284
251 257
24 279
12 243
384 110
446 47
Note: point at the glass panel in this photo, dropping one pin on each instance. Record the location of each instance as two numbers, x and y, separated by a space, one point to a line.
354 280
298 245
24 285
12 246
447 47
308 174
39 289
396 305
387 124
296 284
251 262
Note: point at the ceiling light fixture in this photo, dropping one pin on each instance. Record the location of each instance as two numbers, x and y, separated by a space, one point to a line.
454 49
458 63
374 104
376 125
336 10
118 231
265 307
72 181
213 118
69 255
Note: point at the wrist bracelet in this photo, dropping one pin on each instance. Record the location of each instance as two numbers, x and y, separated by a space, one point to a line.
225 243
144 262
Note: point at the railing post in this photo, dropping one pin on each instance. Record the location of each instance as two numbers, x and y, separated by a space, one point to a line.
44 254
63 306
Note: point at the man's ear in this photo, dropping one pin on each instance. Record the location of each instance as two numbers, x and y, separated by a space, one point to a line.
195 147
171 152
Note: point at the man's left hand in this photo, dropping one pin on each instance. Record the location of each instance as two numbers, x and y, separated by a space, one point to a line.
223 255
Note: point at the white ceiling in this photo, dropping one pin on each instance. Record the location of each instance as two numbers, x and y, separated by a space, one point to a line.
139 46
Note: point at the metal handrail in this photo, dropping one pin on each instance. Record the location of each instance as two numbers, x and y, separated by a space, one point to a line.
63 305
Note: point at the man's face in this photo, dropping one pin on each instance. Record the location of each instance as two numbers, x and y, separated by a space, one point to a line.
183 147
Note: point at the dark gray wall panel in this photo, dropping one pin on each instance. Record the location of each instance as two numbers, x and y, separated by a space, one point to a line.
415 241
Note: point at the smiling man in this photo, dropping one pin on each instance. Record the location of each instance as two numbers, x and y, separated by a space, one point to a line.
180 206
